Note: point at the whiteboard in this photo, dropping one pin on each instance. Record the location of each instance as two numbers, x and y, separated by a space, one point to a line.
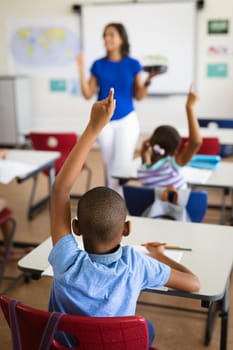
164 29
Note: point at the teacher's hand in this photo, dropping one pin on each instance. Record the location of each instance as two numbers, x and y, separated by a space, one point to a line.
154 74
80 61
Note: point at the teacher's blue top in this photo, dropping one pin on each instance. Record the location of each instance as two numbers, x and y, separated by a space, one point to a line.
120 75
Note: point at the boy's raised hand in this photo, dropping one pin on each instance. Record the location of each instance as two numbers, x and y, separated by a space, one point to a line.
102 111
192 98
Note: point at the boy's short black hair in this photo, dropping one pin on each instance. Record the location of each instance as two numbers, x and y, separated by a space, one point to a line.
101 213
167 137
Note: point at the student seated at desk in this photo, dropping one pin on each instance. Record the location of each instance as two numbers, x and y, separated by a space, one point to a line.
6 226
161 162
105 278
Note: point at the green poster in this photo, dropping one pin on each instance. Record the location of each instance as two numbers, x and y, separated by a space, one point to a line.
58 85
220 26
217 70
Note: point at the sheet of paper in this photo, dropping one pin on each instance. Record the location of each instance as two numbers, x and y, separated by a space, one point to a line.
10 169
195 176
173 254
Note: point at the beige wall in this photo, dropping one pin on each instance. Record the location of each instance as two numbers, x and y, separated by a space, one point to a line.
66 112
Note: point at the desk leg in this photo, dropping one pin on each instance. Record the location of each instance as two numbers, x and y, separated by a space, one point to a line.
213 310
41 203
224 318
232 207
220 307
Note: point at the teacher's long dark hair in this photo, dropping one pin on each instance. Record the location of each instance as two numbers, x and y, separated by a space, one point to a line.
125 47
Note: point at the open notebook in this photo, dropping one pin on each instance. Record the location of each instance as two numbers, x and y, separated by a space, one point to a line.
204 161
9 169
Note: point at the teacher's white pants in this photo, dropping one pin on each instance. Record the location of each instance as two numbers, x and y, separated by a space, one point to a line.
117 143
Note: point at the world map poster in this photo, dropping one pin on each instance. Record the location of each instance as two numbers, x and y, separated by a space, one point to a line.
43 47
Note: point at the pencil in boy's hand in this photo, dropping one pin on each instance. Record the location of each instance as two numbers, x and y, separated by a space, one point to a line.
174 247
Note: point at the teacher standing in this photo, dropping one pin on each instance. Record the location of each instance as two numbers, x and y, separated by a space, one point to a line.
117 69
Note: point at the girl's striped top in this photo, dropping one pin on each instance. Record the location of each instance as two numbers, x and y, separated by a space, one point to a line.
165 172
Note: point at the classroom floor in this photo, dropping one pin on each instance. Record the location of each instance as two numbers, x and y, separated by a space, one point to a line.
175 330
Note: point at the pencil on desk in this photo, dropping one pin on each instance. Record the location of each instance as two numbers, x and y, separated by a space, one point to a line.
174 247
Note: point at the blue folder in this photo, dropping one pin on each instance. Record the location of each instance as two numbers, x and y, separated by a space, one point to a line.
203 161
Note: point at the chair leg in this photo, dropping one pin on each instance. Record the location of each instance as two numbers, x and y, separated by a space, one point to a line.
32 207
6 258
231 219
32 196
88 183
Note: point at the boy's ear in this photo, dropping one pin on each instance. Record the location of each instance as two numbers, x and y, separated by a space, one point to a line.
127 227
75 227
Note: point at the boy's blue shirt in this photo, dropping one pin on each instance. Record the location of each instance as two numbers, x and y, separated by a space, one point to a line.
101 285
120 75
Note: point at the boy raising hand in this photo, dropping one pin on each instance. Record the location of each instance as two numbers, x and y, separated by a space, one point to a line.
60 218
106 278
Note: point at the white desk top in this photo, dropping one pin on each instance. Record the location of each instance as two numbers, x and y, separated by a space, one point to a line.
20 163
32 157
221 177
211 257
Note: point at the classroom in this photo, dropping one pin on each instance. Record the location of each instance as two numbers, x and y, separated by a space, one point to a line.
40 92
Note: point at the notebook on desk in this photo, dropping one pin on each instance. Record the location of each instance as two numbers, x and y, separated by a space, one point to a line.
203 161
9 169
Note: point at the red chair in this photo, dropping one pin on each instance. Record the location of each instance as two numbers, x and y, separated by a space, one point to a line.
35 329
60 142
7 218
210 145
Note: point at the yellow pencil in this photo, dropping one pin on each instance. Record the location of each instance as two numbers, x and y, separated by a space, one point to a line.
157 244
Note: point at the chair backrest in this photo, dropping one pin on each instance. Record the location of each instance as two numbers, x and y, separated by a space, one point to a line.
219 123
99 333
138 199
5 214
61 142
210 145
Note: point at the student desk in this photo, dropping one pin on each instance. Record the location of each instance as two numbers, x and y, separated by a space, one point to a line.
40 160
210 259
220 178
